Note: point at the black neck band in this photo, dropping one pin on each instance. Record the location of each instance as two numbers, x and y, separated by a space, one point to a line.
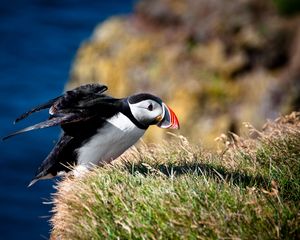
126 110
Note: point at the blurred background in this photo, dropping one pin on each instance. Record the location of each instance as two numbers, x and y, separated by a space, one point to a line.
216 63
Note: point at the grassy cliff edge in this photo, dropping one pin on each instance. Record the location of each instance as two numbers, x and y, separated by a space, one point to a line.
249 189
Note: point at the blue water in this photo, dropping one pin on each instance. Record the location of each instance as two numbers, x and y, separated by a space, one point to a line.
38 41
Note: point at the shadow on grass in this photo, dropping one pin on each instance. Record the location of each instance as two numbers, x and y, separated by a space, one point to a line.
216 173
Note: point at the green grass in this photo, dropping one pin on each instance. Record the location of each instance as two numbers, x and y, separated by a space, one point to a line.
250 189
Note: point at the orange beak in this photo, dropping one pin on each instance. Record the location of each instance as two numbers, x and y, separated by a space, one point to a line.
168 119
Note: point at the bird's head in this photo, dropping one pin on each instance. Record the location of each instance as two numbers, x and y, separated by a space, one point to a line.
151 110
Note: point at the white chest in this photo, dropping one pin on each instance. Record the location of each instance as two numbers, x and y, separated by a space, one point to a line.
111 141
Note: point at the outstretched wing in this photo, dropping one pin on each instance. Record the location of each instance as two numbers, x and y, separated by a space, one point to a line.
37 109
70 99
48 123
73 107
61 158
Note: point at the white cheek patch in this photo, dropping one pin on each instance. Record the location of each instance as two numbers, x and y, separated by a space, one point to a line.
141 112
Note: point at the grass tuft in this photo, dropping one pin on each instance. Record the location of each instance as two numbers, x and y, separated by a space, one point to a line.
250 189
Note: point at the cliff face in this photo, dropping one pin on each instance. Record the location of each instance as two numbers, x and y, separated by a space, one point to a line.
216 64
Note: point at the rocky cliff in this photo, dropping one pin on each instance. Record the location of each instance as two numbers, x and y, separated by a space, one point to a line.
216 63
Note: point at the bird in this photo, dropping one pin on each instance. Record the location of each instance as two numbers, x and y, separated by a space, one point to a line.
96 127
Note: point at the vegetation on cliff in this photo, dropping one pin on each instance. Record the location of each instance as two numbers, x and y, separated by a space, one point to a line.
249 189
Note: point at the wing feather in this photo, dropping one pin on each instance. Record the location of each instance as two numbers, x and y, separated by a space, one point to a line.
77 96
37 109
48 123
74 110
72 98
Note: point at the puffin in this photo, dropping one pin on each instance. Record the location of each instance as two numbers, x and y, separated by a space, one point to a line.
96 128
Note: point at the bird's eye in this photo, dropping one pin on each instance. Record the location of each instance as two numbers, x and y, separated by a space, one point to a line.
150 107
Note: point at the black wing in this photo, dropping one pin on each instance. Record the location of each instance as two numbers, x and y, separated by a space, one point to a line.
61 158
76 98
69 99
48 123
76 106
37 109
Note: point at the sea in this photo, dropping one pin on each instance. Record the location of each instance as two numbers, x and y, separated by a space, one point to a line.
38 42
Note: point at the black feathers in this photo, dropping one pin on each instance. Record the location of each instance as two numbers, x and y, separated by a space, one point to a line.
83 113
79 112
78 98
77 105
48 123
36 109
142 96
